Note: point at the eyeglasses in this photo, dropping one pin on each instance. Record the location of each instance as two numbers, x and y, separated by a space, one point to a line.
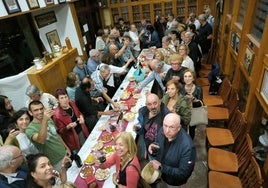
176 64
20 155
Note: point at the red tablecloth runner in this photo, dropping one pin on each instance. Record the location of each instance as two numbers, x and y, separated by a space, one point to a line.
80 182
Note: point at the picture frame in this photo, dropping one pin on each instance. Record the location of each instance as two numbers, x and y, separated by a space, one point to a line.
33 4
248 59
264 86
45 19
49 2
12 6
53 39
61 1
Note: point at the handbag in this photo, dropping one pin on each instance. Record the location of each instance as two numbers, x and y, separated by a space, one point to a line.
199 115
142 183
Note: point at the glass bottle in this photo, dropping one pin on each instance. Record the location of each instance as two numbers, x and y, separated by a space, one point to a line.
68 43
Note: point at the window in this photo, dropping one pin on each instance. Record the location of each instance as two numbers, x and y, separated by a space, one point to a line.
259 18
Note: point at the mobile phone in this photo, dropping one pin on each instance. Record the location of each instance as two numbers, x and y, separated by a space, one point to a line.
16 129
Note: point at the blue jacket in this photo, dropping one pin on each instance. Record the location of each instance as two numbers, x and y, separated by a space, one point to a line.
22 173
177 163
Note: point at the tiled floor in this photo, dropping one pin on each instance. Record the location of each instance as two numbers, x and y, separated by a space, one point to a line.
198 178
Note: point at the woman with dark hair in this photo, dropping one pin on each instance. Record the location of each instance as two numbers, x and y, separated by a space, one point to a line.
100 43
17 136
153 37
175 38
177 103
41 173
69 121
6 112
192 92
191 27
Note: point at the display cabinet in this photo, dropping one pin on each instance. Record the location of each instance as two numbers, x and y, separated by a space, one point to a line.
133 11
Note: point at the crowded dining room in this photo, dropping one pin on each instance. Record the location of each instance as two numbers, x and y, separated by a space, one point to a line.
133 94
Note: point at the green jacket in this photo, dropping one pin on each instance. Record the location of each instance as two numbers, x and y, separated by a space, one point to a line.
182 108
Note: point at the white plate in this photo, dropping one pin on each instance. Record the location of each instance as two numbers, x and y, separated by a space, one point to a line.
85 176
102 174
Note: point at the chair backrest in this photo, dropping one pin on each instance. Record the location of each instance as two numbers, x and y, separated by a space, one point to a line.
250 175
237 125
233 101
243 149
225 89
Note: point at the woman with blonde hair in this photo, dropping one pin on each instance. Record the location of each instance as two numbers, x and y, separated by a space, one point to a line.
187 61
193 94
125 159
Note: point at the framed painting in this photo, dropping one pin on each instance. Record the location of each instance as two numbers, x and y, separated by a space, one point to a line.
49 2
45 19
33 4
264 86
12 6
248 59
61 1
53 39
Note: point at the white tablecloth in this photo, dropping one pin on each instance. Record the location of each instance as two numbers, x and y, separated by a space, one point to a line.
73 172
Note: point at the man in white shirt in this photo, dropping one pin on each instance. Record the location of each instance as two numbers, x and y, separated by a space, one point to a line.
192 20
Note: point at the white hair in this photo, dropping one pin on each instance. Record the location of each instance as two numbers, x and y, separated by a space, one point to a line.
6 156
93 52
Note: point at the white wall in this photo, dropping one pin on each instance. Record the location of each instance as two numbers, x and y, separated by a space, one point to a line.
64 26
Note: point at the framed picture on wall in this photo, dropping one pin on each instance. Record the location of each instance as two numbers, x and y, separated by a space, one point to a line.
48 2
33 4
61 1
264 86
12 6
248 59
53 39
45 19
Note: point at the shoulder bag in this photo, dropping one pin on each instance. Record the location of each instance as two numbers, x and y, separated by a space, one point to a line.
199 115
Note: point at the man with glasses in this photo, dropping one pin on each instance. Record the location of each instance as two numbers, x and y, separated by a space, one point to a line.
176 71
176 153
12 172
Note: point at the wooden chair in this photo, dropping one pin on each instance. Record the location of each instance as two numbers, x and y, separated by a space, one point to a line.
236 129
226 161
249 176
221 98
222 113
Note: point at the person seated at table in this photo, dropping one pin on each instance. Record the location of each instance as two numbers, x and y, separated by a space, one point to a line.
126 161
176 155
17 136
176 70
118 54
80 68
112 39
150 119
187 61
69 121
41 173
177 103
72 82
167 47
35 94
93 60
100 78
6 113
158 71
192 93
84 103
13 173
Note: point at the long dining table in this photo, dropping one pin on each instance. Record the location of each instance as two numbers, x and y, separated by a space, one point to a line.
73 173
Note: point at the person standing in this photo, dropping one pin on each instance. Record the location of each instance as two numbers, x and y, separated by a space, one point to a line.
192 92
69 121
176 154
93 60
42 132
150 119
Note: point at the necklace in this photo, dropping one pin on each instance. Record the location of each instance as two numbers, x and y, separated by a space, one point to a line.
189 89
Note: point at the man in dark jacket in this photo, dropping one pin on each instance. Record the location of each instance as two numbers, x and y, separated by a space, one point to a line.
12 173
176 153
